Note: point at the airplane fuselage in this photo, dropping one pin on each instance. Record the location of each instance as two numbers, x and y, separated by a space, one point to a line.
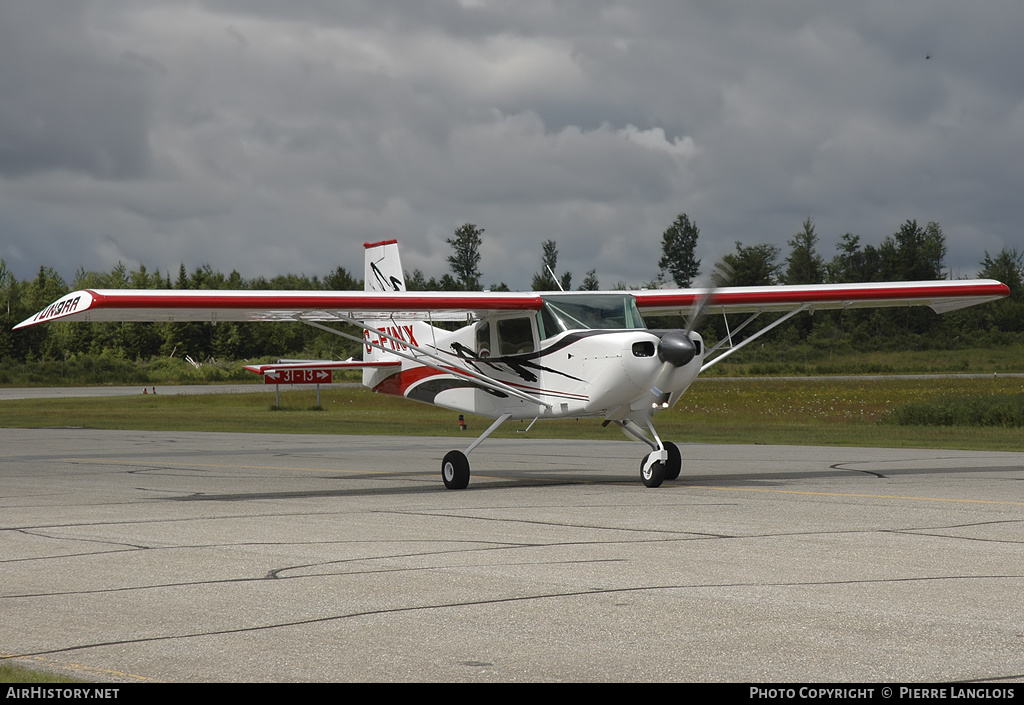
579 373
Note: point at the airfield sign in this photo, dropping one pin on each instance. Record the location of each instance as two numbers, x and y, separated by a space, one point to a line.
298 377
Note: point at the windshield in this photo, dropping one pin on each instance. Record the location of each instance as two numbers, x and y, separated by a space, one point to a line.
586 311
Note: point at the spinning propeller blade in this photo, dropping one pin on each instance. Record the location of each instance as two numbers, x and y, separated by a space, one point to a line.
676 348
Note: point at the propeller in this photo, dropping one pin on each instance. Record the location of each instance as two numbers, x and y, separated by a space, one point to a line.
720 277
676 348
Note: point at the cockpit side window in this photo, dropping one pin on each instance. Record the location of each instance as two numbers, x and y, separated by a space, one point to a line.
515 336
483 339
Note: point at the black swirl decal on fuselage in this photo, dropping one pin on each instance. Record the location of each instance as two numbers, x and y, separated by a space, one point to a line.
524 365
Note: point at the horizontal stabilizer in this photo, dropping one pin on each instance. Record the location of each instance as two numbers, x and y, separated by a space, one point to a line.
319 365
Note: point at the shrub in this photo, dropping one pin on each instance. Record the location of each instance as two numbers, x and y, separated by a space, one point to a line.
1005 410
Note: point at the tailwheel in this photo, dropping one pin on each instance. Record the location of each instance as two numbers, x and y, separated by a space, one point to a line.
652 473
455 470
674 463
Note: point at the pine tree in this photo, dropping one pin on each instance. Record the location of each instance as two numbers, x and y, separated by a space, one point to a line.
677 246
750 266
590 282
543 280
465 259
805 265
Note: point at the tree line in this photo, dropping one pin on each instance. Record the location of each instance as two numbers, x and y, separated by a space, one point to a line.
142 341
914 252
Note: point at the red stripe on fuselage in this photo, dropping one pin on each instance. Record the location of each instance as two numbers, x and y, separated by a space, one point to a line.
398 384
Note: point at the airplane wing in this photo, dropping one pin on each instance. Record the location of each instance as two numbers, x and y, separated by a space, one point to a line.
218 305
940 296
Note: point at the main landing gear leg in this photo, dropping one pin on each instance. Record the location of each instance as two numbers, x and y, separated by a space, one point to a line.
455 466
665 460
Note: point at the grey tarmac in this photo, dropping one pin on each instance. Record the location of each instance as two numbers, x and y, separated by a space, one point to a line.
130 555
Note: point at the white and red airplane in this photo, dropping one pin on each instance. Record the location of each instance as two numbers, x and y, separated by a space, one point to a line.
520 355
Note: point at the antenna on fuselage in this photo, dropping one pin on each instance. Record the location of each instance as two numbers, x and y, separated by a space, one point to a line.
554 278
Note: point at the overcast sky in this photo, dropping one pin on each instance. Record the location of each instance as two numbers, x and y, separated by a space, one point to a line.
274 137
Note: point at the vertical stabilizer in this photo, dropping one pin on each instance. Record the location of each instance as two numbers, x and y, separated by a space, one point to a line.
383 267
383 273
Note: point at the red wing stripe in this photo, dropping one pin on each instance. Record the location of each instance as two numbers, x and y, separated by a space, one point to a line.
827 294
316 301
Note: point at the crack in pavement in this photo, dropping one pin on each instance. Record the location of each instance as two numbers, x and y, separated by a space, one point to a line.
505 600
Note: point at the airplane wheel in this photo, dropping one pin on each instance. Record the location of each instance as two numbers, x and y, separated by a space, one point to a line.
674 463
455 470
654 476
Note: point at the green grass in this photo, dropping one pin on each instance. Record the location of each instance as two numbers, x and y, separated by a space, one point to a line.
13 673
765 411
771 358
855 412
1005 410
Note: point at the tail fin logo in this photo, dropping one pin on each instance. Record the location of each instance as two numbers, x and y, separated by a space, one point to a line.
384 282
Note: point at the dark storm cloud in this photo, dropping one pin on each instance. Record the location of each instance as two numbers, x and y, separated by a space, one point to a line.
270 137
67 103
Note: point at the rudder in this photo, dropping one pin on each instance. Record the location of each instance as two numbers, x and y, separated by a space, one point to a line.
382 273
383 270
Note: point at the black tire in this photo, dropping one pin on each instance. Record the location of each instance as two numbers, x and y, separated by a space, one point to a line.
655 476
674 463
455 470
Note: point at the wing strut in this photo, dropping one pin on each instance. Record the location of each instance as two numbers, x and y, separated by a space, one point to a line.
755 336
729 333
438 362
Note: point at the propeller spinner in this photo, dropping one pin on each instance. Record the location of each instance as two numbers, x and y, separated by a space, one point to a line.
676 348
